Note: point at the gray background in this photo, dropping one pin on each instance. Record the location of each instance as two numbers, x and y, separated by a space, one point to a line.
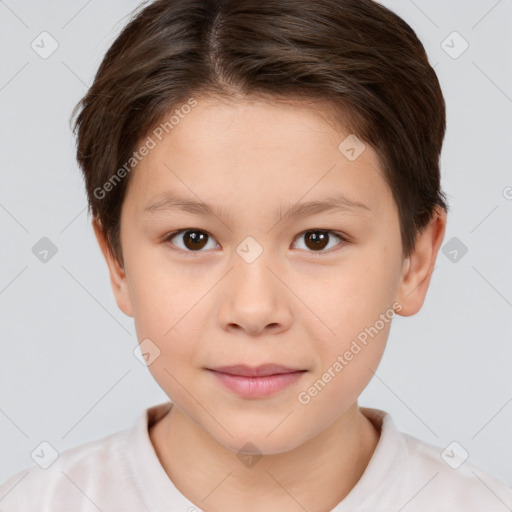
67 371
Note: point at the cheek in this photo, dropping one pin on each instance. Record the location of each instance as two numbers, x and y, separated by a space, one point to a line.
174 339
160 292
355 304
355 299
165 312
347 360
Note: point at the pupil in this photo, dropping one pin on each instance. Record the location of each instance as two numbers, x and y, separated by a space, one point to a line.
314 239
195 239
317 239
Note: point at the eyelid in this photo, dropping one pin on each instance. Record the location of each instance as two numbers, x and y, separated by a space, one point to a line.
168 237
344 240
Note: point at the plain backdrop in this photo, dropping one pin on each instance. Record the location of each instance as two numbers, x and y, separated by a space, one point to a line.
67 370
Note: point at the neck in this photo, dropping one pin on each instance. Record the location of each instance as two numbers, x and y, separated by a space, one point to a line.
314 476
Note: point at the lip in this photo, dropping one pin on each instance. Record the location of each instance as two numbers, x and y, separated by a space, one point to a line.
263 370
256 382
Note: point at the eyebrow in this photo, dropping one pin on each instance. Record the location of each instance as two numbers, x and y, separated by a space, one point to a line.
169 201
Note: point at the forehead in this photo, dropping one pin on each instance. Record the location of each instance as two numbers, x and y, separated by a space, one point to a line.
256 153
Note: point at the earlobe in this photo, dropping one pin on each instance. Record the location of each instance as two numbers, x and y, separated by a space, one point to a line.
117 273
418 267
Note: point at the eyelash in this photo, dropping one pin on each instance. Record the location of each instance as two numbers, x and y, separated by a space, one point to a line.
169 237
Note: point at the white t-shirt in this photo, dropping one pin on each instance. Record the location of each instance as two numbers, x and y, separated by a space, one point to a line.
122 473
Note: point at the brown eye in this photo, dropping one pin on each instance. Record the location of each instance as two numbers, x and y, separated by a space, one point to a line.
316 240
192 240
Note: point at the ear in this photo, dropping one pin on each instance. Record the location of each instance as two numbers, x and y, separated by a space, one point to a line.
418 268
118 279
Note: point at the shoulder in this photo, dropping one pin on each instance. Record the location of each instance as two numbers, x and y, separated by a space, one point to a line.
408 473
73 477
447 476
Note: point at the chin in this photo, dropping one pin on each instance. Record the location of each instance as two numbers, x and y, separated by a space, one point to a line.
254 440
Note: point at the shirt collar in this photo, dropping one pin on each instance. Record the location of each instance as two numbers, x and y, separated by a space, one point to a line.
158 492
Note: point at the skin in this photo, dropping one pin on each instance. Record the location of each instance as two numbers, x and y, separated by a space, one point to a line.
291 306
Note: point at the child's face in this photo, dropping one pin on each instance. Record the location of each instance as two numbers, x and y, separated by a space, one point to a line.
222 303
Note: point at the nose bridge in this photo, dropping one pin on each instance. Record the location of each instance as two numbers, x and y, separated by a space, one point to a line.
254 298
251 272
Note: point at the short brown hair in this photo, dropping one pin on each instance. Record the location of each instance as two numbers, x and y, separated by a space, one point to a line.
357 55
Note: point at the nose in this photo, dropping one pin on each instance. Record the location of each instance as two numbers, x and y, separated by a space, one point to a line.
253 299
